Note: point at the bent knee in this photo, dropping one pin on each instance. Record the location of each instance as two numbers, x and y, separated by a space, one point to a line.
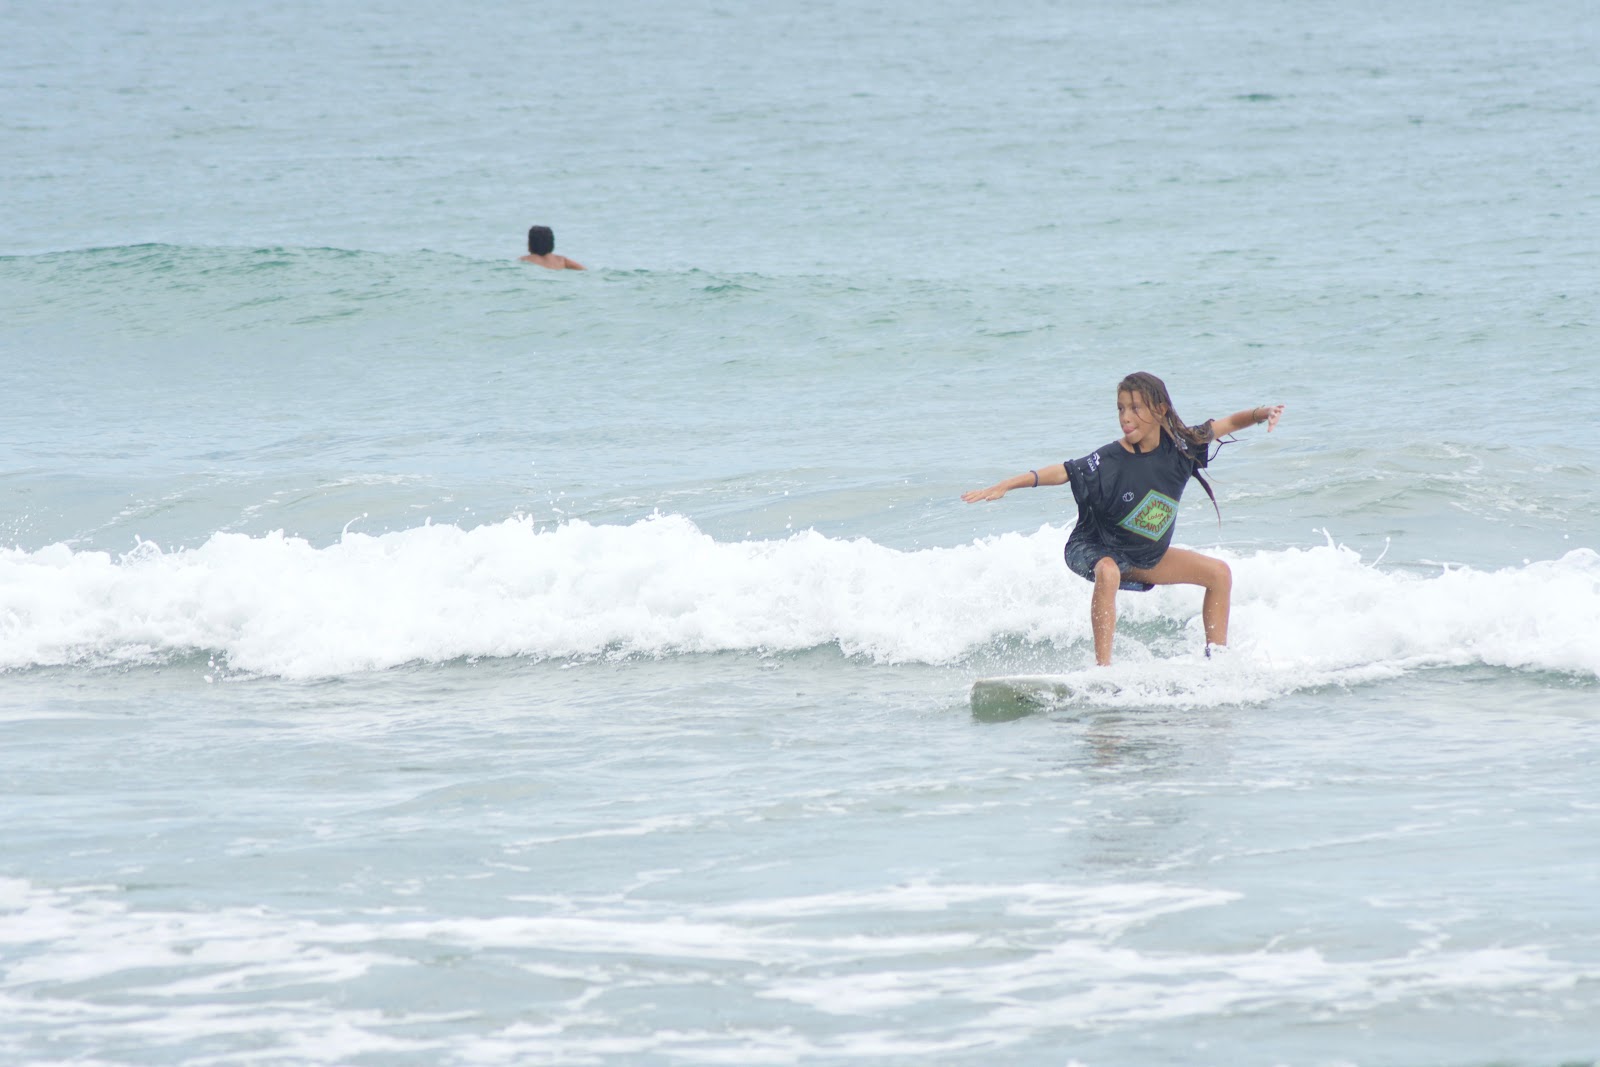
1221 576
1106 570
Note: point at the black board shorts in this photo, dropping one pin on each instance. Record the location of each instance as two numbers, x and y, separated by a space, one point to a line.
1082 556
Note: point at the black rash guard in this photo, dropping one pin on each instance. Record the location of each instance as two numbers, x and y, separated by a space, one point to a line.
1128 501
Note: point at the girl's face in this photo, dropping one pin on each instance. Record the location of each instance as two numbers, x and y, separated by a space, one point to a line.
1141 424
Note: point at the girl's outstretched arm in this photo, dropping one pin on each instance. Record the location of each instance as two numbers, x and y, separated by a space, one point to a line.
1055 474
1269 414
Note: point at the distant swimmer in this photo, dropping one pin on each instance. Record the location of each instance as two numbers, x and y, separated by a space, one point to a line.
541 241
1127 494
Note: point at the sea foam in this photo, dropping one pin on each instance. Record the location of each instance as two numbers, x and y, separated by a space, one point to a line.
660 586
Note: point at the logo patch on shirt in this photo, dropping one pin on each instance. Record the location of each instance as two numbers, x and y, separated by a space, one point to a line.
1153 517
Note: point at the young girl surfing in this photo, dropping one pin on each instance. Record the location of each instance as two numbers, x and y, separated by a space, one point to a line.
1128 493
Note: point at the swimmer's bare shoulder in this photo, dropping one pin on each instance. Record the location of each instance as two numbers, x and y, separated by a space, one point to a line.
555 261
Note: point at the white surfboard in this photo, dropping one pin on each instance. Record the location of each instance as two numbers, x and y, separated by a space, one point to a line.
1013 695
1185 681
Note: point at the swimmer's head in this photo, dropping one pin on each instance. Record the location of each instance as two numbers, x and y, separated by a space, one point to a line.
541 241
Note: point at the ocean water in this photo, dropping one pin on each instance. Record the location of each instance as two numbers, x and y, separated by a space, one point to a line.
409 656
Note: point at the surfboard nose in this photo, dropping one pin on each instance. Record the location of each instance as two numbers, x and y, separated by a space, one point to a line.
1005 699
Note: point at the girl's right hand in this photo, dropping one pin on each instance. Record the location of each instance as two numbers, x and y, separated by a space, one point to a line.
994 492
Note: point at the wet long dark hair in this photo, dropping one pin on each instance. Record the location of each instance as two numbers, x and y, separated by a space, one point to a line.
1191 442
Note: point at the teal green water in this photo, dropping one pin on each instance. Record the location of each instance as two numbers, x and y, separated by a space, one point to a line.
411 656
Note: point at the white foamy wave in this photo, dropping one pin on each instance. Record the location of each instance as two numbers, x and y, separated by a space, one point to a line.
660 586
956 969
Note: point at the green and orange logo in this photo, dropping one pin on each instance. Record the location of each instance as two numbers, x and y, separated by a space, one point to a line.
1153 517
